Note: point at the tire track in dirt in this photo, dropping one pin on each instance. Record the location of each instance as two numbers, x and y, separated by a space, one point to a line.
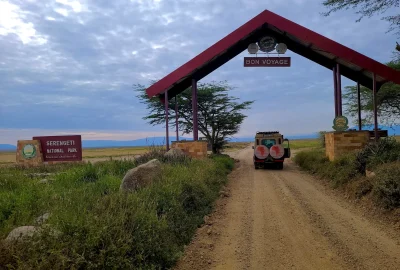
287 220
355 239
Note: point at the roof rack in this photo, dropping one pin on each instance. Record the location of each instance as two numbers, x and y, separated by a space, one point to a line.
267 132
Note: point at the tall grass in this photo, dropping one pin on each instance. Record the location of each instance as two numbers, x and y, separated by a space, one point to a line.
101 227
383 158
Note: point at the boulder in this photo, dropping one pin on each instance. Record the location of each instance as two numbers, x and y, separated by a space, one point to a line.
174 153
141 176
21 232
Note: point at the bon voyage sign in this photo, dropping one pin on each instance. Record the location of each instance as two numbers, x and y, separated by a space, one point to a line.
61 148
267 61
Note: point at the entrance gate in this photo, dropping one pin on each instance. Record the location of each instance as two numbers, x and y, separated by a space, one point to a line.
342 60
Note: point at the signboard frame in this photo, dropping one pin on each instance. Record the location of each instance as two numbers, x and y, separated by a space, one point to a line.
61 147
267 62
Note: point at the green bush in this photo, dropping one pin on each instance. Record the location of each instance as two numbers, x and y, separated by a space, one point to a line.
387 185
321 137
225 160
311 160
374 154
158 153
383 157
103 228
338 172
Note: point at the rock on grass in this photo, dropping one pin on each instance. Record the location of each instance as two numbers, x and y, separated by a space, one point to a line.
141 176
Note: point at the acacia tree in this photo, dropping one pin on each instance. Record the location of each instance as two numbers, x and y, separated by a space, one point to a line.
388 101
219 115
368 8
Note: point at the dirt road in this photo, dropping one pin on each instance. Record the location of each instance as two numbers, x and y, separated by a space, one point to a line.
287 220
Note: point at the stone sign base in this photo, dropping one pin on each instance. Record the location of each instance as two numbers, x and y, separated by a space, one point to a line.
29 153
195 149
339 143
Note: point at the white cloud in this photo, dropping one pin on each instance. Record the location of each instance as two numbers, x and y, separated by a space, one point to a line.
62 11
76 6
147 5
60 99
157 46
12 22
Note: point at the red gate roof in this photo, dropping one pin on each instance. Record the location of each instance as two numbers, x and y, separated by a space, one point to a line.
298 39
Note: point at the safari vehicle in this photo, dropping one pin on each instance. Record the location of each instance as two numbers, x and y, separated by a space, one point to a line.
269 150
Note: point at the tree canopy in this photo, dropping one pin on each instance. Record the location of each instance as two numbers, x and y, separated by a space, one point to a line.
388 102
219 114
368 8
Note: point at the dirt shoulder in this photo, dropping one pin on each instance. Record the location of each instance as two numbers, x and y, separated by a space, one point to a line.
287 219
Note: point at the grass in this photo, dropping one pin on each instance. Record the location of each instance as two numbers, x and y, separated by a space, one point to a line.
8 157
113 152
349 171
99 226
294 144
234 146
301 144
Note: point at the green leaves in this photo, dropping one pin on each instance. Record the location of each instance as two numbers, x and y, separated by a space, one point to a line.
219 114
367 8
388 99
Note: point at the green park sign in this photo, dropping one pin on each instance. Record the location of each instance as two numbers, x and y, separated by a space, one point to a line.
340 123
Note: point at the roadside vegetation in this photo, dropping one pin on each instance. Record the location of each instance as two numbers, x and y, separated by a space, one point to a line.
373 172
301 144
91 224
8 157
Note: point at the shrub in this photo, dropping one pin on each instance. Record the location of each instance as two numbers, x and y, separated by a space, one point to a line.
311 160
384 151
387 185
156 152
383 157
338 172
225 160
321 137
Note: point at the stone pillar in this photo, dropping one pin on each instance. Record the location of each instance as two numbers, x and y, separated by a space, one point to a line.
29 153
339 143
194 149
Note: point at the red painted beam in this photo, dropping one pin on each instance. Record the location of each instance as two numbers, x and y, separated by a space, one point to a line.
266 17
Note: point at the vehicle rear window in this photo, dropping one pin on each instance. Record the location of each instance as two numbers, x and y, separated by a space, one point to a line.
268 142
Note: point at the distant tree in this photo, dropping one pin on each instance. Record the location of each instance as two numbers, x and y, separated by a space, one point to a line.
368 8
219 115
388 102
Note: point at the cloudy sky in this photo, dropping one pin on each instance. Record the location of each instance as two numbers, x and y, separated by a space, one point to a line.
68 66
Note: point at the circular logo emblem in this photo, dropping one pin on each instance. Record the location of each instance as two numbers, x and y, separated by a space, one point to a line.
252 48
340 123
281 48
261 152
277 151
29 151
267 44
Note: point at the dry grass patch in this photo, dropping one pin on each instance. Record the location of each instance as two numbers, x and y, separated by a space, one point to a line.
88 153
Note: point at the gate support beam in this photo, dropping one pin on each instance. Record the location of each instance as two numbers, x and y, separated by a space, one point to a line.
194 109
335 91
375 108
339 89
359 105
166 119
176 118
